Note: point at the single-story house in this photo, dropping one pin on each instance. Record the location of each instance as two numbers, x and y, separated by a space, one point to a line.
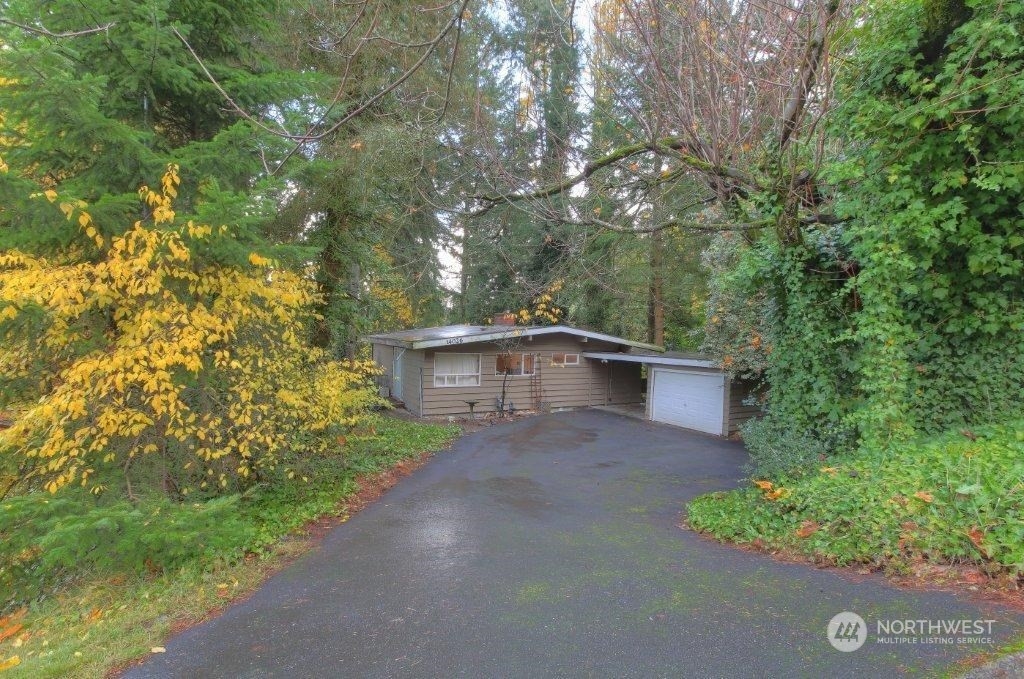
459 369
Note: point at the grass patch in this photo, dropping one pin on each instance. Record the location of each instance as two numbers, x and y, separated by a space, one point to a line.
954 499
108 598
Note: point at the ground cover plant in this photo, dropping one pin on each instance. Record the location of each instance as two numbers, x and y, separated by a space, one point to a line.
88 585
953 499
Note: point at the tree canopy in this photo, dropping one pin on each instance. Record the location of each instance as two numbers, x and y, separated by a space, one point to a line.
824 196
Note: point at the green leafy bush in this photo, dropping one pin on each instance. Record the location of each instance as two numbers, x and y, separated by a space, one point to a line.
956 498
904 318
779 449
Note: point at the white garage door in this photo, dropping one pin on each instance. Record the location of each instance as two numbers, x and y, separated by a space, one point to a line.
686 399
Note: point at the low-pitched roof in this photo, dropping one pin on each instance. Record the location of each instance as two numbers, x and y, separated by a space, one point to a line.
676 359
449 335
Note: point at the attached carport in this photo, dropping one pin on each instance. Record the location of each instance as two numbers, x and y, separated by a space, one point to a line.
690 391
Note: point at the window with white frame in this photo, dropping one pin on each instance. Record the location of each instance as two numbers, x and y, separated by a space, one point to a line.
456 370
514 364
559 359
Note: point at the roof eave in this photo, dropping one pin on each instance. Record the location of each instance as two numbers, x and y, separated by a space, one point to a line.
506 334
473 339
655 360
389 341
600 336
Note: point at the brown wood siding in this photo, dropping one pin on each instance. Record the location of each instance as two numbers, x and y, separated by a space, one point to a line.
740 412
412 372
383 355
617 383
557 386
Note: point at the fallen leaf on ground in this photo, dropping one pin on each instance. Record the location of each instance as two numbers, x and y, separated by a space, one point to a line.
976 537
158 649
13 661
10 631
13 617
807 528
924 496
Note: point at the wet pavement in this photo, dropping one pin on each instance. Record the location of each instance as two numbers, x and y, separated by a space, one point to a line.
551 547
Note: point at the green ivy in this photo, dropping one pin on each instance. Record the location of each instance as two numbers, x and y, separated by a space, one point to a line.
904 319
947 499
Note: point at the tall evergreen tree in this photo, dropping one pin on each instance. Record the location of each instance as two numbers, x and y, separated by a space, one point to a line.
100 97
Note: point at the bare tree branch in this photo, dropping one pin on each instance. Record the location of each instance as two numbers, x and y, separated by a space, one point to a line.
41 30
671 146
453 24
809 68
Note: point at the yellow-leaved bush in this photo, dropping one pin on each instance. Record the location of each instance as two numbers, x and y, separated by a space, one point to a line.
146 353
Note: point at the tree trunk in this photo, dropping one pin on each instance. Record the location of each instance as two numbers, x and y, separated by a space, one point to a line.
330 268
355 290
656 297
464 275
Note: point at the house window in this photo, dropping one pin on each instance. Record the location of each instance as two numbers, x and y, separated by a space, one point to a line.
565 359
456 370
514 364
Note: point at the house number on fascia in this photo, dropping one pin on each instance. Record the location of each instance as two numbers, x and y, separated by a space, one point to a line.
454 340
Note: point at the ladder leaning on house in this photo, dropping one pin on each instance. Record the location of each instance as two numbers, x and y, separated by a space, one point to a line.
536 390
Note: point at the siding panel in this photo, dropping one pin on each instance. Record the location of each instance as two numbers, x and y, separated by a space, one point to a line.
412 369
383 355
740 412
553 386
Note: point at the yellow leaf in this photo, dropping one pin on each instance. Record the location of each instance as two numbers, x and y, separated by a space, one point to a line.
50 194
763 485
924 496
84 219
13 661
158 649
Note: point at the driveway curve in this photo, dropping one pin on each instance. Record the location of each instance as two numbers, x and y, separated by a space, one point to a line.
551 547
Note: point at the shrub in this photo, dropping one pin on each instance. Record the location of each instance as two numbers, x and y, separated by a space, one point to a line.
778 449
147 354
956 498
48 542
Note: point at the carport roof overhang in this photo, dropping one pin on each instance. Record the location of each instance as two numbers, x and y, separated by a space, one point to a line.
450 335
652 359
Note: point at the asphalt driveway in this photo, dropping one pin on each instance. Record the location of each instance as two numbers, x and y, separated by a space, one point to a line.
550 547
